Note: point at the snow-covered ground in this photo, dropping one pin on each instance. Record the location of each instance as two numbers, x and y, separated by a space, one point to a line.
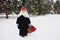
48 28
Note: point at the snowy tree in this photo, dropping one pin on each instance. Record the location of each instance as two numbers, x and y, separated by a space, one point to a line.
39 6
57 7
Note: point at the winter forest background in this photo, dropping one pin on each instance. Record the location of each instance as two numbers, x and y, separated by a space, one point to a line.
44 15
34 7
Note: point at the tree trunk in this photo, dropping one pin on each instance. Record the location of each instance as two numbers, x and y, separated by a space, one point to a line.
6 15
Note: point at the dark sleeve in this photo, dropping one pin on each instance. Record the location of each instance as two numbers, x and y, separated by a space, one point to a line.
17 22
29 21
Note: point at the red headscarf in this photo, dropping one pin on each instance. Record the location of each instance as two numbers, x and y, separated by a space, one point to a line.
24 9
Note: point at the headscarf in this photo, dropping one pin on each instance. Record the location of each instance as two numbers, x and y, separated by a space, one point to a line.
24 12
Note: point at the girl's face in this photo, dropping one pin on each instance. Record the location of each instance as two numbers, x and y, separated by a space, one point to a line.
23 11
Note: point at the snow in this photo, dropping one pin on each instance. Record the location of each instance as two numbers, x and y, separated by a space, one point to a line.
54 0
48 28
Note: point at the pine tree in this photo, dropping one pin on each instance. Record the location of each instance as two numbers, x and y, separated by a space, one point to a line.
38 7
57 7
